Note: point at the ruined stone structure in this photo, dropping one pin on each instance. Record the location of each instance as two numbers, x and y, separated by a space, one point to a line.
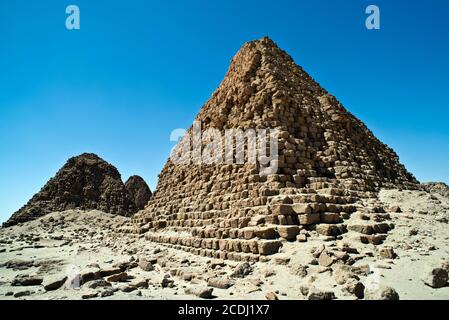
85 182
328 159
138 191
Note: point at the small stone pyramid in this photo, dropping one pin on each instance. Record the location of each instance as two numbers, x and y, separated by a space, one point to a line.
139 191
85 182
328 159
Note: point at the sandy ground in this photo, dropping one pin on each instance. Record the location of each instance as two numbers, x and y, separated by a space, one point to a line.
46 258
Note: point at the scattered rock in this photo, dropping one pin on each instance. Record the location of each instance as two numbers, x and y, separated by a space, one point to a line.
298 269
395 209
145 265
343 273
435 277
316 294
107 293
282 259
105 272
89 295
217 263
301 238
89 274
381 292
54 282
84 182
242 270
220 283
288 232
355 287
101 283
167 283
271 296
325 260
200 292
119 277
22 294
387 253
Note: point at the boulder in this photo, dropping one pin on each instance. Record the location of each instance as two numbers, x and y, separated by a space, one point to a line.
325 259
271 296
220 283
387 253
200 292
119 277
26 281
354 287
145 265
317 294
54 282
89 274
381 292
435 277
242 270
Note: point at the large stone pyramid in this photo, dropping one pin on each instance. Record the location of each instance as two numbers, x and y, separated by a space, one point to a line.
328 159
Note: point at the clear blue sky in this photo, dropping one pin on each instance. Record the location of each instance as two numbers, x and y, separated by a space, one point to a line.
138 69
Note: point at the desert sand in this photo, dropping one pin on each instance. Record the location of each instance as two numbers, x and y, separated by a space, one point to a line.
47 257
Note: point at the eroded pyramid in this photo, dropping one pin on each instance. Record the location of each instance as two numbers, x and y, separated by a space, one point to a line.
328 159
85 182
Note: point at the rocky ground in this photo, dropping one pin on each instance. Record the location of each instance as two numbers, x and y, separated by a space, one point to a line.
78 255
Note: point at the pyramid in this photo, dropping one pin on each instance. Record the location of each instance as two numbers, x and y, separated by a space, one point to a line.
328 160
138 191
85 182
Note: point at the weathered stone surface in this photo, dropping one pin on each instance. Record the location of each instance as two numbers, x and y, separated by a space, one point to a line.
387 253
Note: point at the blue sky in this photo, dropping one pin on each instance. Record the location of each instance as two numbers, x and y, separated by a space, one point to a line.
138 69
